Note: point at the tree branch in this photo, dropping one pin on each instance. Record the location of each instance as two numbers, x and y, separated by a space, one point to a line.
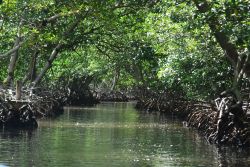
11 51
55 52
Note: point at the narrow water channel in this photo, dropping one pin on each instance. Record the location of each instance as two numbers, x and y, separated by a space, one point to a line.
112 134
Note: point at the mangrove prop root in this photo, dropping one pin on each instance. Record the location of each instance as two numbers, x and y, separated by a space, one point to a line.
21 117
222 122
115 96
225 125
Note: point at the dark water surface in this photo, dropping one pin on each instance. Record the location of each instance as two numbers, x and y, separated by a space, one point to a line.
112 134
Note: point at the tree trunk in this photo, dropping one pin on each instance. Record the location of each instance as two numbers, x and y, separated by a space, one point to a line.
31 74
48 64
12 64
115 79
18 90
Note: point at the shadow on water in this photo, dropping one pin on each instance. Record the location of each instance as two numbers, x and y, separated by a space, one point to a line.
12 133
113 134
12 150
233 157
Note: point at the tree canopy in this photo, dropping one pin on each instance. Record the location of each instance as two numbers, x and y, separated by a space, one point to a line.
197 47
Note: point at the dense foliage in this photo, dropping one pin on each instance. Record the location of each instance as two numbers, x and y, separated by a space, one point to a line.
196 47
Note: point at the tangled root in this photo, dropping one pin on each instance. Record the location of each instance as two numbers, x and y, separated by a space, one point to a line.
229 129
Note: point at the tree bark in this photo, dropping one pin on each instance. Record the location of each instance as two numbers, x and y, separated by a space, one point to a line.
115 79
18 90
31 74
48 64
12 64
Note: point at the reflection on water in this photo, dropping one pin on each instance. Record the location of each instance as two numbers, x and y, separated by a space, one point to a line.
112 134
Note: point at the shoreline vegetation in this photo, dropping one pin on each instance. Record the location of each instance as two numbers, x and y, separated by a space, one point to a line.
171 55
223 121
